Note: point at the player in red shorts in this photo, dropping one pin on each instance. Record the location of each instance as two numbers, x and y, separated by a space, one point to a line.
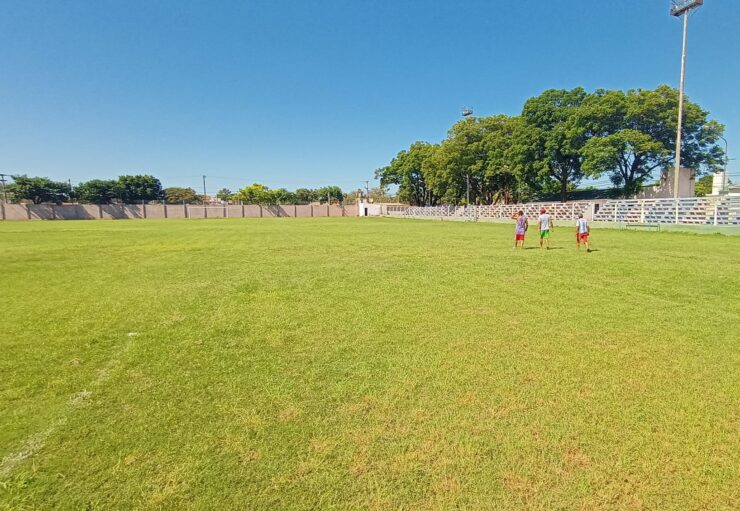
522 224
582 232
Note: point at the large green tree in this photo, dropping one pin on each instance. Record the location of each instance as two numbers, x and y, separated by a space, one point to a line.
632 134
254 194
38 189
704 185
326 192
306 195
139 188
98 191
225 194
407 170
491 155
559 136
177 195
281 196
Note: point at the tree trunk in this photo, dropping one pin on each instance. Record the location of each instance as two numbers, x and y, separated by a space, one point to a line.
564 189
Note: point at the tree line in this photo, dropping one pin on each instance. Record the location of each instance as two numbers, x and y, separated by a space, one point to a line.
130 189
126 189
560 138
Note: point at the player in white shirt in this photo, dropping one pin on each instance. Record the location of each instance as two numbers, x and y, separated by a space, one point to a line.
545 224
582 232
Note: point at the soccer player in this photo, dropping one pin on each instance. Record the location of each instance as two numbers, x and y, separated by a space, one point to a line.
522 224
582 232
545 224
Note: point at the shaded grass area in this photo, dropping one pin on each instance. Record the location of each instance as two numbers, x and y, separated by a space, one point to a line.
365 364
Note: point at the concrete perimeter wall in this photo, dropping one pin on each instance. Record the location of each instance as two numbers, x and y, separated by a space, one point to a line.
131 211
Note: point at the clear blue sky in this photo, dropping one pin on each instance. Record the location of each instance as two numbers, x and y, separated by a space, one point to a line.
299 93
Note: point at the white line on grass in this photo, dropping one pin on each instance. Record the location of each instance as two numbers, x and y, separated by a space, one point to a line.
34 443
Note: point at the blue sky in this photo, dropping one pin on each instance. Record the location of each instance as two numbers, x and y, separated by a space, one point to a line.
297 94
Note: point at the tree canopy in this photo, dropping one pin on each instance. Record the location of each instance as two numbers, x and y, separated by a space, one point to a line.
178 195
560 138
38 189
98 191
633 134
261 194
139 188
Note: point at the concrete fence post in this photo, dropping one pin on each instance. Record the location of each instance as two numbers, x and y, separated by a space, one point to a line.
185 209
243 213
165 209
28 211
100 211
144 209
2 209
53 211
677 210
260 205
311 210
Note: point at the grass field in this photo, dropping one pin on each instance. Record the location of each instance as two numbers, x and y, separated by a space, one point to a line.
365 364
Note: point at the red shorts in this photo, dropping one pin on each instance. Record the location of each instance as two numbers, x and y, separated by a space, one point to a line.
583 236
520 237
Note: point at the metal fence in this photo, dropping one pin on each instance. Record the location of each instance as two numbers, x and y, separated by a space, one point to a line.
724 210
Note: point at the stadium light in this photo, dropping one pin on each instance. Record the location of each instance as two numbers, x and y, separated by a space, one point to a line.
684 6
681 8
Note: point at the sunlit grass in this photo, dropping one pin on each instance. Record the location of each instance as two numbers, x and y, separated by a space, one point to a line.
365 364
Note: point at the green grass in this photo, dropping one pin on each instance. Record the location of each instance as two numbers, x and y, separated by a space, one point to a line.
365 364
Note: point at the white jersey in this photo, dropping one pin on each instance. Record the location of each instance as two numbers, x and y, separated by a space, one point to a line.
545 222
582 225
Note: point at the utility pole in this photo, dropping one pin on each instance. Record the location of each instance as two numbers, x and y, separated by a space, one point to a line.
204 188
69 182
682 8
5 193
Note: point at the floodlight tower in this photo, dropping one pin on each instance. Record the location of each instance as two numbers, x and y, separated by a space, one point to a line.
681 8
467 112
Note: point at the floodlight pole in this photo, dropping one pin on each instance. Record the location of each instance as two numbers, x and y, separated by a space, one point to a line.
679 128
